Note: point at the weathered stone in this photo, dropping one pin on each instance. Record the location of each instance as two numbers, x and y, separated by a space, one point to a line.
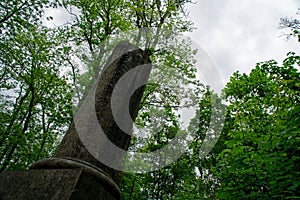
72 146
75 173
52 184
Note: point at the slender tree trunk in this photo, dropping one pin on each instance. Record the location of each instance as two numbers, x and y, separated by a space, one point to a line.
25 127
16 110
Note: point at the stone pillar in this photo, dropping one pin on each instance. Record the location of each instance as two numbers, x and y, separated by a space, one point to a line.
75 172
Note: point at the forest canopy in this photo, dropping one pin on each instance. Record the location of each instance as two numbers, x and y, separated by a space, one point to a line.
46 72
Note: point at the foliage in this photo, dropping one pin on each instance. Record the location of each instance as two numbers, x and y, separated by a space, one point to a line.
35 99
261 155
189 177
293 24
257 155
97 26
96 22
15 15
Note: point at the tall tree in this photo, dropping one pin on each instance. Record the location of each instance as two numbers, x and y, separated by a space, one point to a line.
30 83
261 156
94 24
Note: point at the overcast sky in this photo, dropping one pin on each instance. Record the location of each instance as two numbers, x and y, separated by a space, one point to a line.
237 34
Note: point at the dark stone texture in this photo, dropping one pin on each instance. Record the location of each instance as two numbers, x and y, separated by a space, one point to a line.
51 184
70 163
124 58
74 173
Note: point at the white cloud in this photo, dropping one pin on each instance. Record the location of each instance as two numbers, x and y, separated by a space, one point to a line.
238 34
60 17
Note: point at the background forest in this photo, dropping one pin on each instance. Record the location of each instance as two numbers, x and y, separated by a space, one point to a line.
45 73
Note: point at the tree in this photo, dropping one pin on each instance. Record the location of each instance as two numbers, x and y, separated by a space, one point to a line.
15 15
261 155
150 25
35 99
189 177
293 24
32 124
95 24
